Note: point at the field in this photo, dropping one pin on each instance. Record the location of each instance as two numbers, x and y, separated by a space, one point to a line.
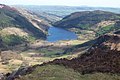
37 53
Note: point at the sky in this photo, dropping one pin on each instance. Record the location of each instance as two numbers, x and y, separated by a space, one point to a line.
94 3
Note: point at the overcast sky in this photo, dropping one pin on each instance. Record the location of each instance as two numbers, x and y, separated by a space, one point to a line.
98 3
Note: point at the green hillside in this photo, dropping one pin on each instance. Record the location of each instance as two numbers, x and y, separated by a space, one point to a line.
90 24
15 28
12 18
86 19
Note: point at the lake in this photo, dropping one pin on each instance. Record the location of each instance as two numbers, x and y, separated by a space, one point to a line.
57 34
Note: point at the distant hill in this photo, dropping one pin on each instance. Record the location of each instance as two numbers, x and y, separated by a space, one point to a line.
16 27
43 15
90 23
50 18
86 19
63 11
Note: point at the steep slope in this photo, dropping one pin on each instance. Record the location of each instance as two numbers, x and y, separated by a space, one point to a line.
50 13
103 56
50 18
16 27
38 22
90 24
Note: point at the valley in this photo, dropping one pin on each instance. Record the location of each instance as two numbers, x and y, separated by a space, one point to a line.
59 43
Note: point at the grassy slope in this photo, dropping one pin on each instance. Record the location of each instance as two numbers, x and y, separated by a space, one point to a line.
55 72
86 20
90 24
11 18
